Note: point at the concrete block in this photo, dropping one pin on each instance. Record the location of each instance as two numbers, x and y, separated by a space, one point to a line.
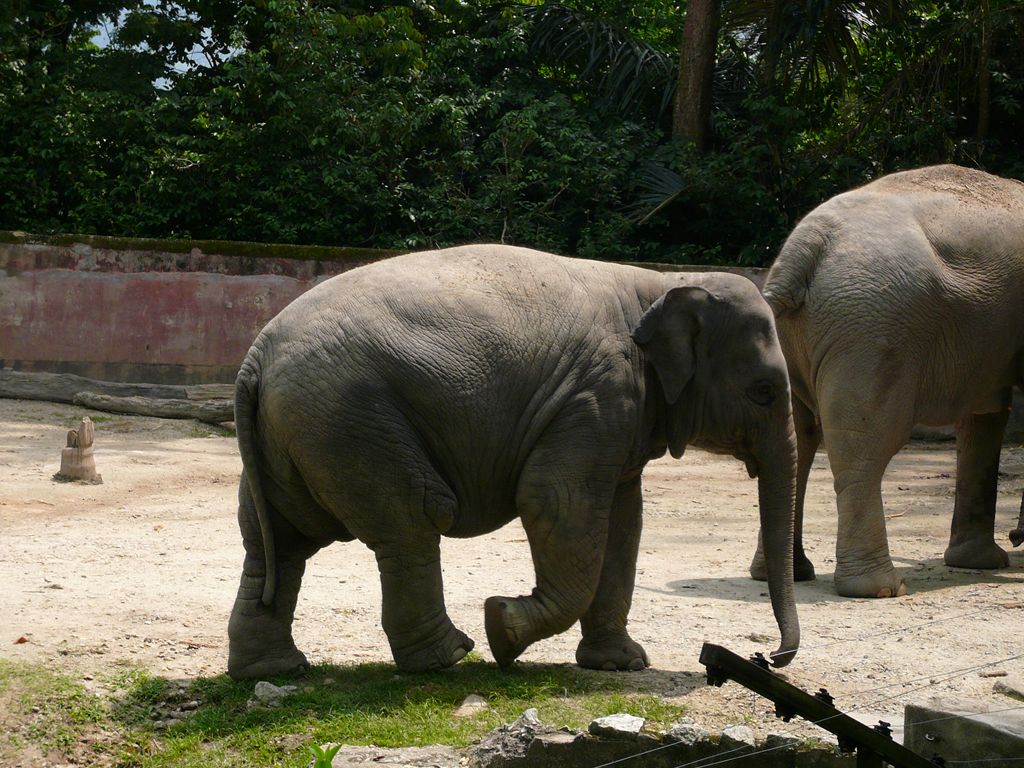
402 757
957 733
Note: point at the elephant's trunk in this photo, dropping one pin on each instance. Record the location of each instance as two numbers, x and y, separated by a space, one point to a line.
1017 534
776 489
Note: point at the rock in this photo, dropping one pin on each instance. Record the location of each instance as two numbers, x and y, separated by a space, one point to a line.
507 743
1012 686
781 742
737 736
269 695
619 726
686 732
824 758
471 705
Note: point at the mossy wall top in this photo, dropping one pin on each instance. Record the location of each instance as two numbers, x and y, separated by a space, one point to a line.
161 311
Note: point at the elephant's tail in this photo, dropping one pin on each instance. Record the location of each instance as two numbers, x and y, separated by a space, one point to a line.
247 387
791 275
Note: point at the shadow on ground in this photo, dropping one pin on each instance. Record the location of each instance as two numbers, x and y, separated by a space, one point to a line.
375 704
920 576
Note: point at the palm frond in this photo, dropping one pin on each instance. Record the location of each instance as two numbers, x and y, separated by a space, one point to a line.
657 187
626 71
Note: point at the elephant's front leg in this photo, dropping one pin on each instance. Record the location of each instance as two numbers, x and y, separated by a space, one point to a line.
565 512
606 644
260 636
421 635
971 543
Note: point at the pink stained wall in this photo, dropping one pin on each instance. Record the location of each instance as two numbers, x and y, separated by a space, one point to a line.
144 315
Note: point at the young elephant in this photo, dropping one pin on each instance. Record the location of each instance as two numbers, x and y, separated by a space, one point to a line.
446 393
902 303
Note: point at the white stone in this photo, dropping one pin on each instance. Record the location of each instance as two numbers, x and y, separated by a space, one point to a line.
471 705
739 734
620 724
687 733
271 695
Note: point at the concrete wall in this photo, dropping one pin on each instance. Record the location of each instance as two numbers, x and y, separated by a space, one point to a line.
156 311
161 311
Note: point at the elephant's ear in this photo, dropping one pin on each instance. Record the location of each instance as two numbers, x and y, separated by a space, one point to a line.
667 334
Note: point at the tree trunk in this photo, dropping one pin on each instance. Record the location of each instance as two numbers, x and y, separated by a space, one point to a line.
692 108
773 47
984 75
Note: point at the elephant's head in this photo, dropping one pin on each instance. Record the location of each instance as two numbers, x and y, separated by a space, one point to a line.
720 382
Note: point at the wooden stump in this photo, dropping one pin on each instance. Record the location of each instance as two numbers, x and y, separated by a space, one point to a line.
76 460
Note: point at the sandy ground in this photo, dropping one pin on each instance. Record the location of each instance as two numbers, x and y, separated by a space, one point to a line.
144 568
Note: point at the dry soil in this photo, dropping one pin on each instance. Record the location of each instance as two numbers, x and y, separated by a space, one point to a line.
144 568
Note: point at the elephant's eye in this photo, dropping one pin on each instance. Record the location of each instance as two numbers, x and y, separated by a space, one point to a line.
761 392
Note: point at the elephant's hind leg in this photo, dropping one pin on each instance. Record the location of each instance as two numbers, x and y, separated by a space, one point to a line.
260 640
606 644
971 539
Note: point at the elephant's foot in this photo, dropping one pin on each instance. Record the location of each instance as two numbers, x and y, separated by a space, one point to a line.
976 553
260 644
246 667
509 628
803 569
439 651
883 582
612 652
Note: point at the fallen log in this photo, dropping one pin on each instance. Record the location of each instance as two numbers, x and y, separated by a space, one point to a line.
62 388
210 411
210 391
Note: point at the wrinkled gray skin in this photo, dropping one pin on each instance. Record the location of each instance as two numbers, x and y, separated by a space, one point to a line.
902 303
446 393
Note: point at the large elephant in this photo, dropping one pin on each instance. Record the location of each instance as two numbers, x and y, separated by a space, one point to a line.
902 303
448 392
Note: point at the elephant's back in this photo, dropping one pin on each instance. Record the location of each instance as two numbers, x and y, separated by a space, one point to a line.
954 187
906 269
928 231
474 281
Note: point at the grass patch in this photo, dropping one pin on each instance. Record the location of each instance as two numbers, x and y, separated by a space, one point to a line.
50 710
203 429
72 419
211 723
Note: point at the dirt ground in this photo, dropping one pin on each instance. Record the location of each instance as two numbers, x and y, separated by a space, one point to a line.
144 568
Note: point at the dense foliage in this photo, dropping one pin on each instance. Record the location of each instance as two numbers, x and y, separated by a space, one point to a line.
410 124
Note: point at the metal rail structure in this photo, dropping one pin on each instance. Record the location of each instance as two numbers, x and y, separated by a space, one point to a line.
874 745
